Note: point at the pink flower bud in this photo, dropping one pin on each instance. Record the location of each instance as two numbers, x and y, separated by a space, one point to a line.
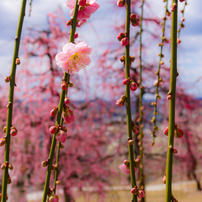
134 190
123 98
124 41
166 131
119 103
164 179
135 22
178 133
53 129
10 166
53 198
132 58
141 193
126 81
121 3
9 180
182 0
76 35
64 85
67 101
178 41
132 16
69 23
68 116
2 141
122 58
7 79
133 86
61 136
44 163
4 129
54 111
82 2
3 166
182 19
120 36
135 129
17 61
13 131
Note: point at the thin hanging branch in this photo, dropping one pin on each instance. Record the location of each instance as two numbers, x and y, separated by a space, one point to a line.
172 93
11 79
159 80
60 107
141 135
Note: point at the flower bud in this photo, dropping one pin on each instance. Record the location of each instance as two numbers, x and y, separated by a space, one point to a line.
58 182
70 84
10 166
53 129
133 86
165 132
44 163
3 166
132 58
119 103
69 23
17 61
164 179
178 40
121 3
7 79
2 141
53 198
135 129
133 16
9 180
134 190
54 111
130 142
122 58
66 101
178 133
4 129
13 131
120 36
126 81
64 85
124 41
141 193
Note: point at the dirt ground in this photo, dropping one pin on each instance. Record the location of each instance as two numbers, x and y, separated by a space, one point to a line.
183 192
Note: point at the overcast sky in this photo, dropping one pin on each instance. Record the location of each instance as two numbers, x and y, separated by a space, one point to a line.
189 51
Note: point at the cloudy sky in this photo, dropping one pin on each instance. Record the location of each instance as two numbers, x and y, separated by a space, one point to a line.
189 51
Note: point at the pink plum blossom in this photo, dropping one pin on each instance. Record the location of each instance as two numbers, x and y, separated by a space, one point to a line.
81 22
61 136
125 169
84 12
74 57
